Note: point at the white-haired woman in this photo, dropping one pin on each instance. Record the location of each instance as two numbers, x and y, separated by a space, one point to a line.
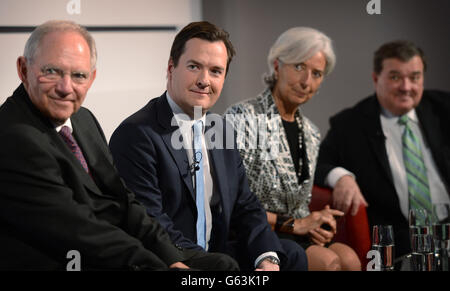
281 169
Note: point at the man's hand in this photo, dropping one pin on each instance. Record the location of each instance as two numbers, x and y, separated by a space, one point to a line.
346 195
266 265
178 265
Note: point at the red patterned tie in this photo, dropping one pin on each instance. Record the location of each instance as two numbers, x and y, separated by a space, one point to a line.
72 143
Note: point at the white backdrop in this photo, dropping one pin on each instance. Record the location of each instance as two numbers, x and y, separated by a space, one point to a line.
131 67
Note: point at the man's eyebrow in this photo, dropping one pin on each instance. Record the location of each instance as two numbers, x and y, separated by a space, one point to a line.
55 67
413 73
219 68
49 66
200 64
194 62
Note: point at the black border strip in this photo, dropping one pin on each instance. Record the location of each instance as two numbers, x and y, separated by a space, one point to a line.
26 29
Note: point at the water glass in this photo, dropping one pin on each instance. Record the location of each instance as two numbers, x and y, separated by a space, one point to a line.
441 233
422 256
419 223
419 217
383 242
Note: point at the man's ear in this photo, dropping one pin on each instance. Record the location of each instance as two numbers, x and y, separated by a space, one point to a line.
375 78
22 69
170 67
92 77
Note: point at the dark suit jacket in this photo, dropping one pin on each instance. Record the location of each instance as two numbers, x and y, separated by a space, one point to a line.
162 181
356 142
50 205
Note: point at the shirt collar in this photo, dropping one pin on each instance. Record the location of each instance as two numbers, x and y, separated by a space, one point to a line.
180 115
67 123
174 106
389 115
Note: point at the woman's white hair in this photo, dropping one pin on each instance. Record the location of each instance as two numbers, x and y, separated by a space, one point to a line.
297 45
42 30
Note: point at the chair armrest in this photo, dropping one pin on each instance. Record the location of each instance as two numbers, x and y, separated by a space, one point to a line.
320 198
358 231
352 230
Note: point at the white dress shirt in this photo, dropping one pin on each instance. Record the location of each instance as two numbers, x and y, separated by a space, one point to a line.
393 132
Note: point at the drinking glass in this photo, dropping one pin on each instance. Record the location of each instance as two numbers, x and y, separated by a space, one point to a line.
419 223
383 242
422 256
419 216
441 233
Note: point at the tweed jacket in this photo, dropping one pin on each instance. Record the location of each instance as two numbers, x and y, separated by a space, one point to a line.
262 142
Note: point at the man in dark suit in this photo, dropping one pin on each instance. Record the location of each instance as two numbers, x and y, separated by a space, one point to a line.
59 190
199 193
363 155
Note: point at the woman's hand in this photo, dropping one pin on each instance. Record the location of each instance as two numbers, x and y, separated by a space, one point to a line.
312 225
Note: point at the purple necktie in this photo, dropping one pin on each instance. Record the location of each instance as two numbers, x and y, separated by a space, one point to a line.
72 143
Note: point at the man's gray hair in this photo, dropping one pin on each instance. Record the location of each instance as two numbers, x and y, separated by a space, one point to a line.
42 30
297 45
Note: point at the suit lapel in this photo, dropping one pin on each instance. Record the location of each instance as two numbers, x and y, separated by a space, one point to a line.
164 116
220 178
431 128
375 135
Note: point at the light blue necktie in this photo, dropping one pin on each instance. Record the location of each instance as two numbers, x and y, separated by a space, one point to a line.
199 184
416 172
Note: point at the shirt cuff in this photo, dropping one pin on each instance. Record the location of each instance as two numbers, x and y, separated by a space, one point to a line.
335 174
265 255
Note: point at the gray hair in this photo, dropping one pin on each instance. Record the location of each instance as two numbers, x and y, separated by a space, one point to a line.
42 30
297 45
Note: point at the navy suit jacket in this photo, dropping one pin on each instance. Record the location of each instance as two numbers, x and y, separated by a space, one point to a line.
160 176
356 142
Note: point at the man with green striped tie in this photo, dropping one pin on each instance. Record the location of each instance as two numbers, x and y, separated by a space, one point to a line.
391 151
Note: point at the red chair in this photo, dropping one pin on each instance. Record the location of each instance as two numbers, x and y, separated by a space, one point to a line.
352 230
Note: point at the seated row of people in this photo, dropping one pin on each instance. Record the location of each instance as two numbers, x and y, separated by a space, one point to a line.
178 189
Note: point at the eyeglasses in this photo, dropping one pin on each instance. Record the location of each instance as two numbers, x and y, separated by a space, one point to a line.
54 74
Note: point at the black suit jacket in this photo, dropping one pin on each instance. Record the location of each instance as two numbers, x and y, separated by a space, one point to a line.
159 175
50 205
356 142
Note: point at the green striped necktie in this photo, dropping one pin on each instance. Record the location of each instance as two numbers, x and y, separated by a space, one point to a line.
416 172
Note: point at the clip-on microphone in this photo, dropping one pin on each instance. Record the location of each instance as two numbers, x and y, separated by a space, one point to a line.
194 167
